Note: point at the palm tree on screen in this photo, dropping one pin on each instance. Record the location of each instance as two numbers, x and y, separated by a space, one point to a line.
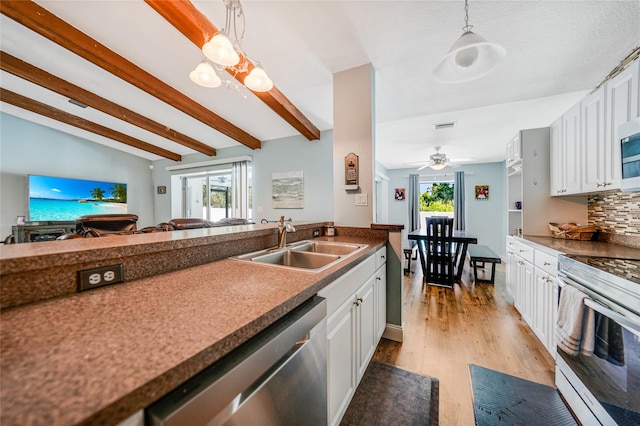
97 194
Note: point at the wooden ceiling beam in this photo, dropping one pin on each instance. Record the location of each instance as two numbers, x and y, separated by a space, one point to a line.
43 22
79 122
184 16
38 76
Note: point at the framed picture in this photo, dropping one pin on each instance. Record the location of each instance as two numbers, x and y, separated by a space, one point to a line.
399 195
162 190
482 192
287 190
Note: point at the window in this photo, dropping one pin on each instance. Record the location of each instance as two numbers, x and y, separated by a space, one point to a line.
436 199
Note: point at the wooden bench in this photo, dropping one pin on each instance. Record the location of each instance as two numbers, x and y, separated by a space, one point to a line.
409 254
479 254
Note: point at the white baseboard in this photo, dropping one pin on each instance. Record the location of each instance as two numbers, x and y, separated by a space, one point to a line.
393 332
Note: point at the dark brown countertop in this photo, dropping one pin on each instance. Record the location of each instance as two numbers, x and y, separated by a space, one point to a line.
584 248
99 356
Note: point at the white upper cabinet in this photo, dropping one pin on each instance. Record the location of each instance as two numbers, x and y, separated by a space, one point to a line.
594 142
514 150
571 147
622 106
585 149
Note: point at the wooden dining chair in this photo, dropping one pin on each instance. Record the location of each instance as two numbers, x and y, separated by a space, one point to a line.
439 251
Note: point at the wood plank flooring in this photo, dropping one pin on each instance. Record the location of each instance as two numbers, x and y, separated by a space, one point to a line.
445 330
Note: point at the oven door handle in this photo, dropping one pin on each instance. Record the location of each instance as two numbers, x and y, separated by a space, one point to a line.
630 322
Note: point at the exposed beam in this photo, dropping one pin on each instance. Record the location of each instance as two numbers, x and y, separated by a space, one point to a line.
42 78
43 22
184 16
79 122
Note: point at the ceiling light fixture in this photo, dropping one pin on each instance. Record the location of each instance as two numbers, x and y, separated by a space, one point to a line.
221 53
470 57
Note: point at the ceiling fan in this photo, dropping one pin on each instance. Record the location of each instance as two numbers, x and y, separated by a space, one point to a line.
438 161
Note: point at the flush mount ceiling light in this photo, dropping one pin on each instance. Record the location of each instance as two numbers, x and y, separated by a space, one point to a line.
470 57
223 54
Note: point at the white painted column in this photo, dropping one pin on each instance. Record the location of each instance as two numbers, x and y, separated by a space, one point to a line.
354 131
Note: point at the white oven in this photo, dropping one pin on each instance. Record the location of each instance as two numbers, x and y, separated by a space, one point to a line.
604 388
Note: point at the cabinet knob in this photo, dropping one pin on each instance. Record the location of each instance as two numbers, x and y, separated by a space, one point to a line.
606 184
546 264
382 256
522 251
378 278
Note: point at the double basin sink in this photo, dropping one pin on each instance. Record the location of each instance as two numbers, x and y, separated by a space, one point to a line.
311 256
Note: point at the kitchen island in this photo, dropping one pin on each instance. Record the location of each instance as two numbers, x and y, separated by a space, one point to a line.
97 357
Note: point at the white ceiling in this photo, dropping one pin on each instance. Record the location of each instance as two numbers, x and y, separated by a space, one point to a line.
556 52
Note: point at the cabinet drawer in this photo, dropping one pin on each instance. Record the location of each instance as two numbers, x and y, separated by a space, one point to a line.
547 262
381 257
346 285
523 250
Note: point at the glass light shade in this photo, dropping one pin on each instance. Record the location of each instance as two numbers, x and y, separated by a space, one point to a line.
220 50
258 81
438 166
470 57
204 75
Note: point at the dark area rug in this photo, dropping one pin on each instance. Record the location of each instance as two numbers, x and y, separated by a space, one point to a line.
501 399
388 395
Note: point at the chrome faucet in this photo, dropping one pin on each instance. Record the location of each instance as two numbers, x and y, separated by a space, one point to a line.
282 232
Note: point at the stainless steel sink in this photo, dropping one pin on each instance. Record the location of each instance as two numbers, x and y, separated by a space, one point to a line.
310 256
326 247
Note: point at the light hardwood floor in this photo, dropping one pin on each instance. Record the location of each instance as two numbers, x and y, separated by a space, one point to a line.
445 330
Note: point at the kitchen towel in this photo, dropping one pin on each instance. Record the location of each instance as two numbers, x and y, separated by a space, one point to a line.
575 327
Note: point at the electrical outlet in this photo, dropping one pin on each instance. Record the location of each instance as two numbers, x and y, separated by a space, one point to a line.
316 233
97 277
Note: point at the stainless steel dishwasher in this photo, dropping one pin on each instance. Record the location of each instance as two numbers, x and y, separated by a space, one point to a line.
279 377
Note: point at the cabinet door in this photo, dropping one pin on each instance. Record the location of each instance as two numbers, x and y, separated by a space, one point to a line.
511 272
622 102
557 158
366 328
593 137
529 299
381 301
518 285
539 315
341 346
571 150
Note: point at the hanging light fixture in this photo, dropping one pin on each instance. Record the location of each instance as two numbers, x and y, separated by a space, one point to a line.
224 54
470 57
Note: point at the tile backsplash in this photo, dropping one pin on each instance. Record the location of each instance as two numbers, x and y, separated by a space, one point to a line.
617 216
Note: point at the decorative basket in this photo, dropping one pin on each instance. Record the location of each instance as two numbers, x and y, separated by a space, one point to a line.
566 232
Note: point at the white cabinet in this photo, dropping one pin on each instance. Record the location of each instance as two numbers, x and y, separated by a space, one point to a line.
356 309
511 266
585 149
531 274
571 146
621 106
364 306
594 175
380 293
341 362
514 149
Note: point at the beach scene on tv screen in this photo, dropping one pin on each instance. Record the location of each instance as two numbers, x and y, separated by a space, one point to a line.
56 198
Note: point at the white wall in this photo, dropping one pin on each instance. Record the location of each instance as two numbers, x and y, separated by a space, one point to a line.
484 219
295 153
353 131
28 148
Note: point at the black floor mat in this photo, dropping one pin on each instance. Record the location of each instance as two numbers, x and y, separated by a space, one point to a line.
501 399
388 395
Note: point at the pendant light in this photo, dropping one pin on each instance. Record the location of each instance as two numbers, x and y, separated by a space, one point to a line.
470 57
225 53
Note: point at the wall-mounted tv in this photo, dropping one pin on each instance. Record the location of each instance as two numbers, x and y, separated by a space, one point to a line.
55 198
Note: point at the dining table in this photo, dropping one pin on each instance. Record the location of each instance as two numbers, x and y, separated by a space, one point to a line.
460 237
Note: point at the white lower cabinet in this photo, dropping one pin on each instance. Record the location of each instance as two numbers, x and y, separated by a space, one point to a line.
356 309
531 276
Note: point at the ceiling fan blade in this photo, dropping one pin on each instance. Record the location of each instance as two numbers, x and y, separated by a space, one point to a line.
425 166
